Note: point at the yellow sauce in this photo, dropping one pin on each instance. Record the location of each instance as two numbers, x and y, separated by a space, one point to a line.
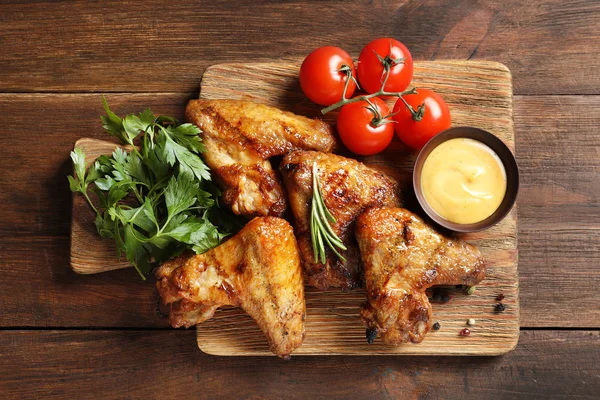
463 180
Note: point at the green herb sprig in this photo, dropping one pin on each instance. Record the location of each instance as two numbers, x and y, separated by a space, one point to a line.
321 232
154 199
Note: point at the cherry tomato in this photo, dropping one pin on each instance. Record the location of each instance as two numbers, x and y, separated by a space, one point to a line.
321 79
356 127
371 72
436 118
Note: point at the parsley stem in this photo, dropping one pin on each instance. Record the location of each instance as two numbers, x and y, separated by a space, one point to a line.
164 226
139 271
157 184
135 150
84 192
137 194
139 210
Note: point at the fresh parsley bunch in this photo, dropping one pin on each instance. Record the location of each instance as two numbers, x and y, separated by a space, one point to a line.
156 199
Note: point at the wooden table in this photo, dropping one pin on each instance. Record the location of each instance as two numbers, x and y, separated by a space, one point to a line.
70 336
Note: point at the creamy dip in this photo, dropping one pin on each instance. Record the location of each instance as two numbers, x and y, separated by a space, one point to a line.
463 180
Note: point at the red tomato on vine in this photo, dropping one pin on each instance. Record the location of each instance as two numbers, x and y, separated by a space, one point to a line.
424 115
378 57
324 73
363 128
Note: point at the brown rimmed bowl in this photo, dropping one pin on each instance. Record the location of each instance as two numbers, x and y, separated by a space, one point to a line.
505 155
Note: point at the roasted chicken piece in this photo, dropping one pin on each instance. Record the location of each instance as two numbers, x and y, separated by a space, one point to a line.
240 137
258 270
348 188
402 257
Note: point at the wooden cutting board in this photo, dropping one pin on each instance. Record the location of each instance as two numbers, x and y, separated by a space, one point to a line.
479 94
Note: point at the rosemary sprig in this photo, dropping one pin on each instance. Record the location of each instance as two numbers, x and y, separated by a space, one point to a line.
321 232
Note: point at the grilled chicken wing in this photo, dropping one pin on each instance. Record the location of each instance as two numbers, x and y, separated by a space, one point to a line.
348 188
240 137
402 257
258 270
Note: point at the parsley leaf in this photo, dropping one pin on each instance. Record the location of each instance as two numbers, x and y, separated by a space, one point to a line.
180 194
155 199
135 250
157 164
147 117
189 163
112 123
105 183
187 136
135 216
135 168
78 183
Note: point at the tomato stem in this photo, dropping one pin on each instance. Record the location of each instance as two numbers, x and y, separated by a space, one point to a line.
388 62
416 115
378 119
347 70
345 101
380 92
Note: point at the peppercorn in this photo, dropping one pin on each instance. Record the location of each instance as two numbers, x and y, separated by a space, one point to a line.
371 335
500 297
446 298
470 322
465 332
436 326
498 308
159 312
470 290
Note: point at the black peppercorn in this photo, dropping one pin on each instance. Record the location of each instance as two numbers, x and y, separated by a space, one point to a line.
159 312
498 308
371 335
446 298
436 326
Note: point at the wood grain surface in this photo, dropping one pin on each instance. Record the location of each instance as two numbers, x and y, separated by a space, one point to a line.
153 46
559 212
479 94
90 254
108 364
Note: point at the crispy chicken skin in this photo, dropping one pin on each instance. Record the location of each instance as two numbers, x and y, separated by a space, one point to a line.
258 270
240 137
402 257
348 188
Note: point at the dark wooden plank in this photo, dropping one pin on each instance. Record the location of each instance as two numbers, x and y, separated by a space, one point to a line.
166 364
550 45
44 291
559 212
38 132
559 209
